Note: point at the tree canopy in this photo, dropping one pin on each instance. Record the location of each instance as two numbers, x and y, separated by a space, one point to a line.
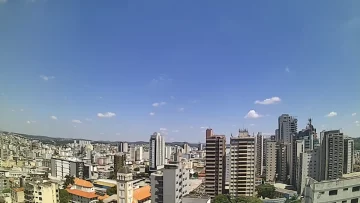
230 199
65 197
69 180
265 191
111 191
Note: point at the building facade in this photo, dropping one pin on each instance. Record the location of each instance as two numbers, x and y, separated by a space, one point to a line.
41 191
349 151
270 160
62 167
123 147
156 152
124 186
215 163
243 161
169 185
259 155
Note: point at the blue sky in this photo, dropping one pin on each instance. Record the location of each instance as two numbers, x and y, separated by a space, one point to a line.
120 70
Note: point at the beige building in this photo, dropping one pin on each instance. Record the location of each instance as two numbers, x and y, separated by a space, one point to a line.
41 191
270 161
243 160
215 163
17 195
124 186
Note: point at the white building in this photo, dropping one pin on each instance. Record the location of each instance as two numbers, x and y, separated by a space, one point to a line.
139 153
342 190
169 185
62 167
157 151
124 186
309 167
259 154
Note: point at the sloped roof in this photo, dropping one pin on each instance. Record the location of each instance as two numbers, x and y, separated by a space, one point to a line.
142 193
88 195
83 183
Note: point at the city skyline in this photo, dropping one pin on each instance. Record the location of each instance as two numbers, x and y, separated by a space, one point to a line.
130 71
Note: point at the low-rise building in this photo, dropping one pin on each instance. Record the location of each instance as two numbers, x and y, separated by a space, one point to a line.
345 189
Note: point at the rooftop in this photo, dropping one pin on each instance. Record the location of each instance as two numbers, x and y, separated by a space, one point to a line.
83 183
142 193
80 193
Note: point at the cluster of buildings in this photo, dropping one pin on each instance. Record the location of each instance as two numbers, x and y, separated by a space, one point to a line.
295 162
316 167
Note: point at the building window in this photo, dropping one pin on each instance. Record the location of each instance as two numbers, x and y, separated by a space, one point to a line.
355 189
356 200
333 192
345 189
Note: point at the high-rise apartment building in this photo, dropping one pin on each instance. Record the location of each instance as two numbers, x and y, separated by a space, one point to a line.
119 162
156 152
270 160
123 147
349 152
308 167
215 163
170 184
243 160
71 166
41 191
287 126
132 152
281 165
139 153
124 186
259 154
331 155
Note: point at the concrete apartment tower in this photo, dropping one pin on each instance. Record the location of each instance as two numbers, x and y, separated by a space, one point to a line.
124 186
259 154
156 151
123 147
287 129
170 184
270 160
119 161
331 155
215 163
349 151
243 160
41 191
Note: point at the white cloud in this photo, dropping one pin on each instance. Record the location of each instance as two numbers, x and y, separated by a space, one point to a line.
21 109
272 100
175 131
353 114
88 119
12 110
203 127
3 1
287 69
76 121
151 113
29 122
156 104
253 114
181 109
74 126
46 78
117 134
53 117
252 124
331 114
101 133
106 115
191 127
163 129
357 122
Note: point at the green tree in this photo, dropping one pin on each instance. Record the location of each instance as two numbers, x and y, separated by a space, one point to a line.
6 190
65 197
293 199
111 191
69 180
240 199
265 191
